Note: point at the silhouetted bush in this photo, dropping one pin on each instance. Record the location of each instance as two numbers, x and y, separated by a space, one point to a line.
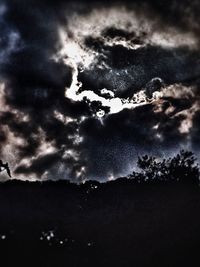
182 167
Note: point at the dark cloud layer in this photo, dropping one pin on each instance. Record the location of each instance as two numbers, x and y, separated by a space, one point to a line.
133 69
55 137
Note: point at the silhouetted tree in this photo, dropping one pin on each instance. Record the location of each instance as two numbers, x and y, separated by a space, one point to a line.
181 167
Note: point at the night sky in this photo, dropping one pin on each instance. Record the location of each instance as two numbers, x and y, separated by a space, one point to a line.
86 87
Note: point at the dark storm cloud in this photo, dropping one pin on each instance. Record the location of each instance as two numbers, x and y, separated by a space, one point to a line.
37 165
129 70
124 135
35 85
115 141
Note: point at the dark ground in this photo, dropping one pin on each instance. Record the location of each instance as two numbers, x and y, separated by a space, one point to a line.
119 223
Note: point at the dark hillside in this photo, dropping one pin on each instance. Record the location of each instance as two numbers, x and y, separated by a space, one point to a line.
119 223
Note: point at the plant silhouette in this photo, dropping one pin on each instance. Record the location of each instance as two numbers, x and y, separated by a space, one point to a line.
182 167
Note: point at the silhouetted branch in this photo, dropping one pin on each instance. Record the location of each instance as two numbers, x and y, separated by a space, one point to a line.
182 167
